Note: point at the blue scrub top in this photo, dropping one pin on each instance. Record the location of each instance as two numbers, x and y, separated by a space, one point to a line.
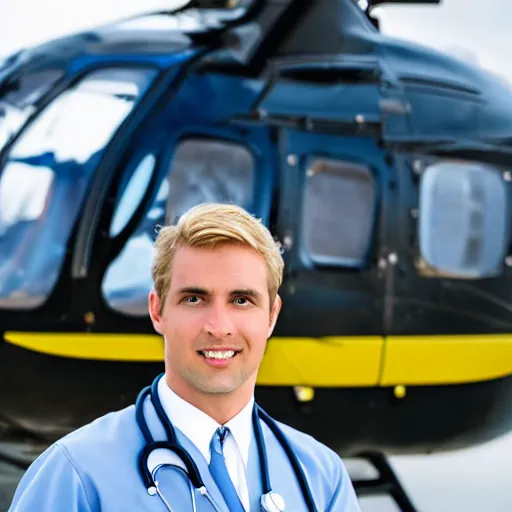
96 469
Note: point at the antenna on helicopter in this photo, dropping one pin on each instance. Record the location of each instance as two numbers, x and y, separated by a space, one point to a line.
368 5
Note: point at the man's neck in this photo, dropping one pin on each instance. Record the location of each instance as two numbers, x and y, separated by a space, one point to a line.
222 407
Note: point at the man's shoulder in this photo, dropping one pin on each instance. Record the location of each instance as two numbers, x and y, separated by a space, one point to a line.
307 440
324 470
103 427
81 466
115 430
311 449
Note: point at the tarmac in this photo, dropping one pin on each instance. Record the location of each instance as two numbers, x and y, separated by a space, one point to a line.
473 480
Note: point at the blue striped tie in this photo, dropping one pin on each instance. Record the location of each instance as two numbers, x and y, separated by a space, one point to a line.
219 471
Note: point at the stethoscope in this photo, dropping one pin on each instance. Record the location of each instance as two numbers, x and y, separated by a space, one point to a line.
270 500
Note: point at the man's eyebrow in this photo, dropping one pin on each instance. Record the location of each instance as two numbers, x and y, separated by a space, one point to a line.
193 290
247 292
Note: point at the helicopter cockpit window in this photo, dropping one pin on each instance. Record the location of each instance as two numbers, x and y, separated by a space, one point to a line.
202 170
46 175
339 212
18 98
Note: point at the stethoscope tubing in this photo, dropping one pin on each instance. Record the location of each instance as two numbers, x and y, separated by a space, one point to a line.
292 457
192 493
193 472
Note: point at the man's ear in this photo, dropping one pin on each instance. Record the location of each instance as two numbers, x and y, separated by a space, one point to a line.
154 311
274 313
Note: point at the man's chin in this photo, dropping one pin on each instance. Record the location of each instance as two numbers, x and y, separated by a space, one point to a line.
216 383
218 388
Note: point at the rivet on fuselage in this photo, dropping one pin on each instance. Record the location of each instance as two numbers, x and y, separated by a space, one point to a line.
292 160
417 166
89 318
262 113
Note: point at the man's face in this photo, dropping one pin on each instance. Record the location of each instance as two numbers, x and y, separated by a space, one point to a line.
216 319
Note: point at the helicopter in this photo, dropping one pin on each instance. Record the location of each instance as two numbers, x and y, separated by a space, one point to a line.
381 167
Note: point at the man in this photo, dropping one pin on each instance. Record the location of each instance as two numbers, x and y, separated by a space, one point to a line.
215 302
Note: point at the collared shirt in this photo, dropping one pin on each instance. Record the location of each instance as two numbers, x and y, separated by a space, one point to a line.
199 428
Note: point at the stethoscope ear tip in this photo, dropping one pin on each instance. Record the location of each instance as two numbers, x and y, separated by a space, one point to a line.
152 490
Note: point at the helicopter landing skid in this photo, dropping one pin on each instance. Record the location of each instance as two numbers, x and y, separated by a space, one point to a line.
386 484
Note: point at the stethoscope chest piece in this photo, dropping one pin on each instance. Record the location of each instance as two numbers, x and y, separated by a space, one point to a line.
272 502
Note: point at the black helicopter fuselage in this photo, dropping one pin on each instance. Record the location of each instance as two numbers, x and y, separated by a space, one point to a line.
302 112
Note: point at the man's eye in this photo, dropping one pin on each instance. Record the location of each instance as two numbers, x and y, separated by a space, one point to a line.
241 301
193 299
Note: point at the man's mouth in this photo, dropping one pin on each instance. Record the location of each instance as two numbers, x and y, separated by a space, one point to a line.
219 354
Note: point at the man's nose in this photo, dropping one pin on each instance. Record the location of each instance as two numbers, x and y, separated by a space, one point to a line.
218 323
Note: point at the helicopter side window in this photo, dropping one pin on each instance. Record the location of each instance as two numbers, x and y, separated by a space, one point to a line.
206 171
464 221
133 193
338 213
46 175
201 170
18 98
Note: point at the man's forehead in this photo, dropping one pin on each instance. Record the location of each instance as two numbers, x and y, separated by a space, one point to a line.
220 270
219 257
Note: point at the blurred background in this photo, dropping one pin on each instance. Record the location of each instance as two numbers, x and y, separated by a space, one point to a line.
472 480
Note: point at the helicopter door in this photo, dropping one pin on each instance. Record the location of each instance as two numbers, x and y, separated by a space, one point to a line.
218 167
330 227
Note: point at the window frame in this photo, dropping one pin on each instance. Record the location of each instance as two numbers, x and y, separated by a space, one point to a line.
308 258
264 181
197 137
424 268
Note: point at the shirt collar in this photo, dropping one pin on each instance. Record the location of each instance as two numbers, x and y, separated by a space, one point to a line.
199 427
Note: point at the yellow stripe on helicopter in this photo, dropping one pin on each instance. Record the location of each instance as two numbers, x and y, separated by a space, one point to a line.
288 361
335 361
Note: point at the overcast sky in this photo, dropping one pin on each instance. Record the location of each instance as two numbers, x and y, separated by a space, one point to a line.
472 29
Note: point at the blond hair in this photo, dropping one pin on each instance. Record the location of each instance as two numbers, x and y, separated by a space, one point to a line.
210 225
